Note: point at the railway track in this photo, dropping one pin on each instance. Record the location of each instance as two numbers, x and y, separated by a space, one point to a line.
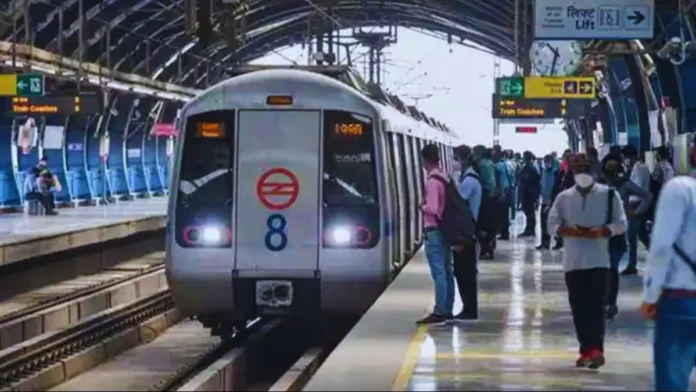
59 305
35 364
270 355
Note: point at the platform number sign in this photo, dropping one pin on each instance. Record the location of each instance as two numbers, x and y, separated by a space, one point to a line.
276 238
277 189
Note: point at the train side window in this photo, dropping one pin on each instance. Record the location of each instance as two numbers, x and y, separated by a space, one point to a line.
350 176
206 175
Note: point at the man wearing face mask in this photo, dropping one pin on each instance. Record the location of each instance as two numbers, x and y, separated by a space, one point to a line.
586 216
613 173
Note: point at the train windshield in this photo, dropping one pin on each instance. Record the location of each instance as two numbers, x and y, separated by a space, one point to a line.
349 160
206 176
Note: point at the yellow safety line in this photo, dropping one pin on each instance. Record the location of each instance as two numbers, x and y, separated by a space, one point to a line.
410 361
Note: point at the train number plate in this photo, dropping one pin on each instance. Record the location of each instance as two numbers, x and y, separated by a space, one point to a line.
274 293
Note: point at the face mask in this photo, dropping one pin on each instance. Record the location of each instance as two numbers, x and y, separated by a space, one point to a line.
584 180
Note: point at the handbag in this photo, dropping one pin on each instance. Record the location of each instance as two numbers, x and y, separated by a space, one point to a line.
618 241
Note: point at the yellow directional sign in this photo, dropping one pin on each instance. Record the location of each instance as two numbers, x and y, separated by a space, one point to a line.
8 85
559 87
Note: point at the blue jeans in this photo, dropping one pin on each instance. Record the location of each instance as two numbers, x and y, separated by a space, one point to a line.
439 256
674 348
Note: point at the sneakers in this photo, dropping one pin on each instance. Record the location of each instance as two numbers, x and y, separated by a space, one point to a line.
465 318
629 271
434 319
594 359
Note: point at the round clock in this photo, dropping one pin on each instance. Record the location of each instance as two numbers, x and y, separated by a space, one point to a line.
555 58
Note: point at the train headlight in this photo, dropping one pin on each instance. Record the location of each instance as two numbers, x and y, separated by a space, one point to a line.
212 235
340 236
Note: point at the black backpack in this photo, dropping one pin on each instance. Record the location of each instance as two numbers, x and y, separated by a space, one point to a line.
457 226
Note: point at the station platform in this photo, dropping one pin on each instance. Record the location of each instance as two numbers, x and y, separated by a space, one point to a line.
524 339
24 237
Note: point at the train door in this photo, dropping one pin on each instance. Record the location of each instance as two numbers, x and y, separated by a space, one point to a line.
407 199
412 201
398 169
391 186
418 187
277 227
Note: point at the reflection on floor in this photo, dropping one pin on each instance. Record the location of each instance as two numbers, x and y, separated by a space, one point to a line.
525 339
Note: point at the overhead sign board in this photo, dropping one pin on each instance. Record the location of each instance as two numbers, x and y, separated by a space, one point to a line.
594 19
546 87
55 104
525 108
23 84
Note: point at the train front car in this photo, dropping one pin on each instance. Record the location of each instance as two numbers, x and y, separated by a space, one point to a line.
277 202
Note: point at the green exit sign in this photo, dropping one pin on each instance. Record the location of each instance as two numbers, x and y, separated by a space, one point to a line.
30 84
510 86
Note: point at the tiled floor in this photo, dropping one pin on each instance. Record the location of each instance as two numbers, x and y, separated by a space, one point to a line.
525 339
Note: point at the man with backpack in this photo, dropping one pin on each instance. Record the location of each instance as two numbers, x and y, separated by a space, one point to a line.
437 251
449 223
669 295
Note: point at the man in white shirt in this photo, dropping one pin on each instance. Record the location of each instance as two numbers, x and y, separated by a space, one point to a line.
637 230
669 295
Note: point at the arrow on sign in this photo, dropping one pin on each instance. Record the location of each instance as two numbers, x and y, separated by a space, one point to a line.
586 87
516 88
21 85
637 17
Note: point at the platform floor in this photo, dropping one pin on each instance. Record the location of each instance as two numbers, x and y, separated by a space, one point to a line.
20 227
524 340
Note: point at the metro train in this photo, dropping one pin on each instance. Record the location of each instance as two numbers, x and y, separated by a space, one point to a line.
293 194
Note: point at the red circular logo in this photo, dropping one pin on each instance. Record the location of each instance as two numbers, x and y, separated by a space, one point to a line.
278 189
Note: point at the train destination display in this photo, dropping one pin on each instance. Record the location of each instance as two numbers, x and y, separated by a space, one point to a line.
54 104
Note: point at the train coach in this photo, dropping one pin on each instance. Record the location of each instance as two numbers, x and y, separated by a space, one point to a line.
293 194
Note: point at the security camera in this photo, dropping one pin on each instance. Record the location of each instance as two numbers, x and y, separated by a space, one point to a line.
671 49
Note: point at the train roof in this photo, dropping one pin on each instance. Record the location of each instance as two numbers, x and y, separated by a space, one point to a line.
351 77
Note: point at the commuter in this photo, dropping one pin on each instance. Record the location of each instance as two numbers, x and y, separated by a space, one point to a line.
33 190
669 295
548 177
593 155
579 214
466 257
556 163
615 178
437 251
564 165
564 180
637 228
529 192
487 214
513 176
504 196
662 173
